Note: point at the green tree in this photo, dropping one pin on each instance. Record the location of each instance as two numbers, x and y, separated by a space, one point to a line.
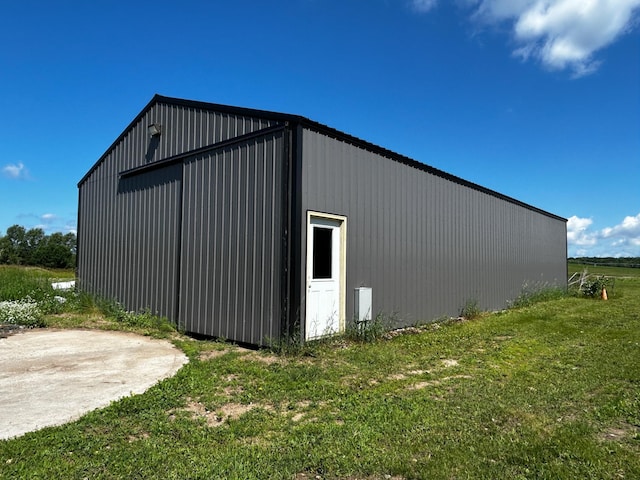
11 245
30 245
33 247
57 251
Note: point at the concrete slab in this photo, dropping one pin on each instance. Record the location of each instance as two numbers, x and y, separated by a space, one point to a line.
50 377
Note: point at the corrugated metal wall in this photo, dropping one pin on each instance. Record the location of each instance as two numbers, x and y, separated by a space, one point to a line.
129 239
425 244
146 246
201 240
231 244
128 231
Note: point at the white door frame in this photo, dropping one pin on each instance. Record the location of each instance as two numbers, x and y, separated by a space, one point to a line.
342 267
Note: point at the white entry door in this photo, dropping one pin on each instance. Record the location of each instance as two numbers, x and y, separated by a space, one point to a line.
325 275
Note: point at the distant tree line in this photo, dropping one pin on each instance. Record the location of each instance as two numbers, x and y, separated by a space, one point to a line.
32 247
632 262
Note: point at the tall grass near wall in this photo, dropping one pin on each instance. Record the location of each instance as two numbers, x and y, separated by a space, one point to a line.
17 283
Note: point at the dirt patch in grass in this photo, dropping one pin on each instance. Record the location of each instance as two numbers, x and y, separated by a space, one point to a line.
297 417
617 434
212 354
422 385
403 376
233 390
263 358
502 338
434 383
313 476
138 437
229 411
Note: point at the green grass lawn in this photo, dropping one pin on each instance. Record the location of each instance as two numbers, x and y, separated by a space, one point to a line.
600 270
548 391
17 282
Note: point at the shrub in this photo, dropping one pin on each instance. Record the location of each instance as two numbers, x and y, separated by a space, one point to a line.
592 287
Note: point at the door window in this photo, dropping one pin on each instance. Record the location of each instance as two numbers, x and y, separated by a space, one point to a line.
322 250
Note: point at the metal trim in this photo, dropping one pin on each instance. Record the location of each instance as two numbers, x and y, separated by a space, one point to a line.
198 151
320 128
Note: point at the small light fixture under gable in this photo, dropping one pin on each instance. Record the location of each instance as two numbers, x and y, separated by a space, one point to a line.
154 129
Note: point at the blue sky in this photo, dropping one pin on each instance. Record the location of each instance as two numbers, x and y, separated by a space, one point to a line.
539 100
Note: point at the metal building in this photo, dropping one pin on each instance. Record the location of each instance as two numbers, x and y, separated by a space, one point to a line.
251 225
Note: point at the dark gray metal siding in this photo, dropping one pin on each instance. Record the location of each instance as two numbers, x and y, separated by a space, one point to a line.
147 235
231 243
128 229
129 246
426 244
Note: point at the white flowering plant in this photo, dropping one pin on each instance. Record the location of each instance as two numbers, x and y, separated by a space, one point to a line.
21 312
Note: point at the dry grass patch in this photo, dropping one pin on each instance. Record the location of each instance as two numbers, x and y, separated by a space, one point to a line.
435 383
229 411
313 476
267 359
502 338
138 437
423 385
211 355
231 391
613 434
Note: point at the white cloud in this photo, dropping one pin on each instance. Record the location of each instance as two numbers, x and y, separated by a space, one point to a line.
561 34
622 240
627 231
48 217
423 6
15 171
577 231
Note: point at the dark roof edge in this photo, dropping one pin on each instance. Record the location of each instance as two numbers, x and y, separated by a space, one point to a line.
117 140
337 134
249 112
320 128
275 116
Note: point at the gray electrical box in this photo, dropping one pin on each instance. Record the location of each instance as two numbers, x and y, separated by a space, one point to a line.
363 305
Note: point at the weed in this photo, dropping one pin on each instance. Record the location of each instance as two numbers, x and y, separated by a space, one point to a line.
17 283
83 302
369 330
536 293
292 345
144 319
26 296
471 309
